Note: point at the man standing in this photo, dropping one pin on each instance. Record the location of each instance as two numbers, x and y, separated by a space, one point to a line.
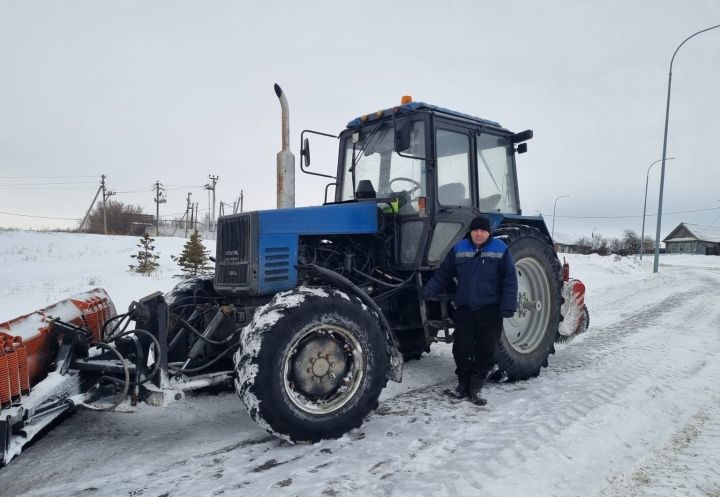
486 293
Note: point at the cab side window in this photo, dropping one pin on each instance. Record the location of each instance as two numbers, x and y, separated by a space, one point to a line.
496 181
453 168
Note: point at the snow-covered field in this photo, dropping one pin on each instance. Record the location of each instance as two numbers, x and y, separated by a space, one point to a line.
632 407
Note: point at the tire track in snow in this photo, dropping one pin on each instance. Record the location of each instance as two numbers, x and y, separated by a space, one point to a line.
602 341
686 466
655 359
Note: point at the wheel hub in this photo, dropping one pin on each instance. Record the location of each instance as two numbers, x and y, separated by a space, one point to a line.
525 330
318 365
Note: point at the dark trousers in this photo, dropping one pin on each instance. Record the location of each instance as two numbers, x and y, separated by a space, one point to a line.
475 338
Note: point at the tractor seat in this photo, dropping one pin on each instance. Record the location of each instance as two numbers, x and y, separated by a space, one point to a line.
365 189
490 203
453 194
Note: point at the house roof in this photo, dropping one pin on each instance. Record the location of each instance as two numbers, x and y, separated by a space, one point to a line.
566 238
681 239
698 232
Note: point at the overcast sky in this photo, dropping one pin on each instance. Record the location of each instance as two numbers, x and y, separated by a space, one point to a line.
177 90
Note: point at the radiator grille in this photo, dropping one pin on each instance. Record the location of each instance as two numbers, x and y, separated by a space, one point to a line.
234 254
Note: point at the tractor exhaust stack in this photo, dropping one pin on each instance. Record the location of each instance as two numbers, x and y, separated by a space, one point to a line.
285 159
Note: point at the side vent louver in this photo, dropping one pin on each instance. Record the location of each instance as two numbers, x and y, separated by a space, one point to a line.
277 264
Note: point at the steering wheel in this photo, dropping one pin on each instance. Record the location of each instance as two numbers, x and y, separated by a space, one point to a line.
416 186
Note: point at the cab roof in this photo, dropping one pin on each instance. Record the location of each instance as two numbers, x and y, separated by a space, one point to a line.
415 106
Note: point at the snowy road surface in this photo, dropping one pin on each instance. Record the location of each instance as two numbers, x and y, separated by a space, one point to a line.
632 407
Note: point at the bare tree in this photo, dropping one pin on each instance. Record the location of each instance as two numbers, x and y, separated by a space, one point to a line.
120 217
584 244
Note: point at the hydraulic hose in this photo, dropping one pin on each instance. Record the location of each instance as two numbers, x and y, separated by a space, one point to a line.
126 384
156 367
200 335
204 366
118 316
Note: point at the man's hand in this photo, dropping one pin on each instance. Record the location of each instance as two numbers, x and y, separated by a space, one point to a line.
507 314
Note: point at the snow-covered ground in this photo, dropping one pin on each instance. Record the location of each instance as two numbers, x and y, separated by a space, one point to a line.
632 407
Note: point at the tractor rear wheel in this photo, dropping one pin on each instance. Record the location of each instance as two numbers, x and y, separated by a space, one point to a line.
311 364
528 335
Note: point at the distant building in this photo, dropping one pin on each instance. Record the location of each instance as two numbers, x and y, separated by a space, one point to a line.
693 239
140 223
567 244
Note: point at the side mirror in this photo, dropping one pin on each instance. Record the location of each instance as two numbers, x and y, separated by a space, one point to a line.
402 136
522 136
522 148
305 152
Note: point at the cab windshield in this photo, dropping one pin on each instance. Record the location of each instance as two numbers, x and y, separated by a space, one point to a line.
370 153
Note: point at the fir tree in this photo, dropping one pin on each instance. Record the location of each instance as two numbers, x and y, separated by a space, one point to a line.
146 257
193 259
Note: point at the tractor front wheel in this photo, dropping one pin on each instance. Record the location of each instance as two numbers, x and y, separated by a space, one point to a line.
312 364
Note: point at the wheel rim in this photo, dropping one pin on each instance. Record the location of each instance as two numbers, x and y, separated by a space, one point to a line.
324 369
526 329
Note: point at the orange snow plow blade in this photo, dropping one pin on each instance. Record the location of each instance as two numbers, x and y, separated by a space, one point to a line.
28 349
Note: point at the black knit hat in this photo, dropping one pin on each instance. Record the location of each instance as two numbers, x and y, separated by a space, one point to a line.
480 223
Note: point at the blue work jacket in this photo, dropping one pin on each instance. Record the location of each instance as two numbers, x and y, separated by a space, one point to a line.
485 275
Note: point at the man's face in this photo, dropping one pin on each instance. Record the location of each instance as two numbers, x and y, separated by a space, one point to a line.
479 237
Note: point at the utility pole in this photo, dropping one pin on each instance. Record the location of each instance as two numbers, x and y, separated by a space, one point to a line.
106 195
192 217
197 212
90 208
159 199
238 204
188 213
211 205
180 223
102 185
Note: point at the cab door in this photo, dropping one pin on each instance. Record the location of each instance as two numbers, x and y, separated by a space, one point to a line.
455 192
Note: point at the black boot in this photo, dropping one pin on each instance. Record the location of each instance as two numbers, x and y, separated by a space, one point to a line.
461 391
475 389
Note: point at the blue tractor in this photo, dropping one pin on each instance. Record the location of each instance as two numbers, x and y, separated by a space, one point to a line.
326 299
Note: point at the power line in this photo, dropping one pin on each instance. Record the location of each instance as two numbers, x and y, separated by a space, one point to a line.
48 184
40 217
46 177
168 216
143 190
631 217
186 188
3 187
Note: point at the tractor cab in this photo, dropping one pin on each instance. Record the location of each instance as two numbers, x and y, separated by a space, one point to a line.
435 169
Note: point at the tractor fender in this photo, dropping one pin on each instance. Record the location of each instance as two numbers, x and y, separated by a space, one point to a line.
341 282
